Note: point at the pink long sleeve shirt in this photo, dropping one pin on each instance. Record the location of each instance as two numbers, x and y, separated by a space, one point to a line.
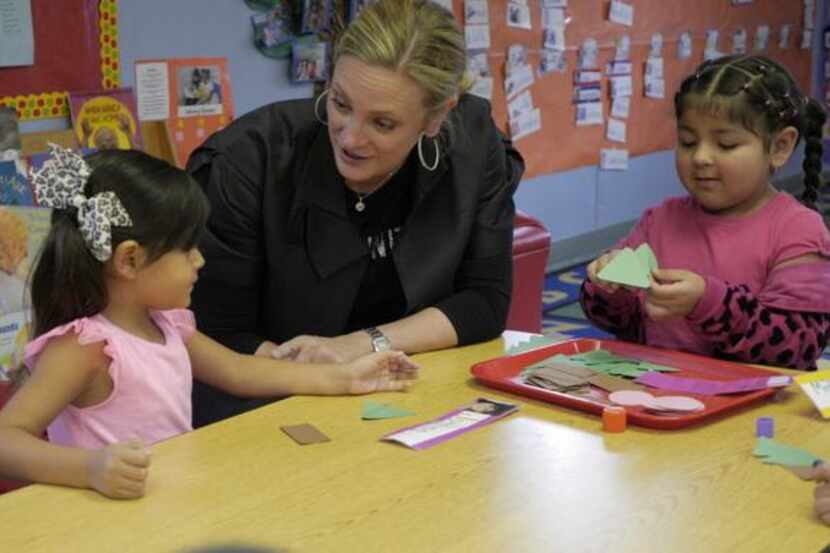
750 310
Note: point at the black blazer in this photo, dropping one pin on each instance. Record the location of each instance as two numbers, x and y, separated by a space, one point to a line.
283 258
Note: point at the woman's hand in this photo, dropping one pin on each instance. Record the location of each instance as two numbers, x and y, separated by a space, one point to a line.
674 293
120 470
385 371
318 349
598 265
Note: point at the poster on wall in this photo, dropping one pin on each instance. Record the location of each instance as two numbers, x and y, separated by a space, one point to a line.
76 47
17 43
191 95
636 61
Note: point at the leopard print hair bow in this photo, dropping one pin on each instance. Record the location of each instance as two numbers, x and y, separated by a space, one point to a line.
59 184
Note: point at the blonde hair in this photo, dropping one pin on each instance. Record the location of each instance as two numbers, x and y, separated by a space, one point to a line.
416 37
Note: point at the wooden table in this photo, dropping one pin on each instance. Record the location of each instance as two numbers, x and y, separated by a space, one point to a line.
543 480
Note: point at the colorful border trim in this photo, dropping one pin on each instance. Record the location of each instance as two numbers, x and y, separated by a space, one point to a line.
49 105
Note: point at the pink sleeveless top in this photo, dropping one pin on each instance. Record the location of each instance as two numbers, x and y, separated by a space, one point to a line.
150 399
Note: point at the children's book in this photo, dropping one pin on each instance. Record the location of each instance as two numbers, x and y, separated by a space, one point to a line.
272 32
105 119
14 185
22 232
316 16
9 134
309 60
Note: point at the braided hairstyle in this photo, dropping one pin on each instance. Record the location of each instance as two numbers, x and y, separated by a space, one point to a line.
762 96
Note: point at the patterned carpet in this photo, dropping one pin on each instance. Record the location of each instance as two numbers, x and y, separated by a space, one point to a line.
561 312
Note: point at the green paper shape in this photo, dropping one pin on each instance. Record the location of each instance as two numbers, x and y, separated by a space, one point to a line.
625 370
631 268
646 256
373 410
646 366
535 342
773 453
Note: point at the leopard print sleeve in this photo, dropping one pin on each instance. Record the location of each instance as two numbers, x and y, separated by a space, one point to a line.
620 313
743 328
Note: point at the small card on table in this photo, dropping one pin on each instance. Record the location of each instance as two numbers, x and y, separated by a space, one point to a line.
305 434
457 422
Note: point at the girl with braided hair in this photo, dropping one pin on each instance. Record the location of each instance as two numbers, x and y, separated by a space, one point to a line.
744 270
115 346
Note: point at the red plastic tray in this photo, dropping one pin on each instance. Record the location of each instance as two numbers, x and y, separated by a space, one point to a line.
503 374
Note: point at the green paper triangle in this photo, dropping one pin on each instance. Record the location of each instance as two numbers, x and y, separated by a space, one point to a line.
535 342
626 269
646 256
374 411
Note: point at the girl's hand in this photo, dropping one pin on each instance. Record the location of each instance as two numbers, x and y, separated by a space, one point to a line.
598 265
385 371
821 504
319 349
674 293
119 471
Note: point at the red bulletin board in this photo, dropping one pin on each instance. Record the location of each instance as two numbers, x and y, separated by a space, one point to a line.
76 48
560 144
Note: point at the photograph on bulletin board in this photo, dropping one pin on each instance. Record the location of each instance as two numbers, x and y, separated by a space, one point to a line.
199 90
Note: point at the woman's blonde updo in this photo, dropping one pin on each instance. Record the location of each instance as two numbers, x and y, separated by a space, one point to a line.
419 38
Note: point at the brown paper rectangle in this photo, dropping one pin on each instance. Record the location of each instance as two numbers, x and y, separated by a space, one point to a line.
305 434
613 383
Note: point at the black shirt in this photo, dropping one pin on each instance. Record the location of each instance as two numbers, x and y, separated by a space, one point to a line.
380 298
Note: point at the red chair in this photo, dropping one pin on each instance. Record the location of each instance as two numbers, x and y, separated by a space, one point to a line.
531 246
5 393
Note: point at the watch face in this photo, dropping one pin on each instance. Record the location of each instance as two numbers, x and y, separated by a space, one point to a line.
381 343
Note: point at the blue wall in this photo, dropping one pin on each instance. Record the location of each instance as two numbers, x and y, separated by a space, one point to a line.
570 203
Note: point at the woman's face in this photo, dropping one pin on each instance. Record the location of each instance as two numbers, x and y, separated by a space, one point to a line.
375 117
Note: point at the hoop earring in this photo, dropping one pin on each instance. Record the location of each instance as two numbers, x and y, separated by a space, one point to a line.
317 108
434 166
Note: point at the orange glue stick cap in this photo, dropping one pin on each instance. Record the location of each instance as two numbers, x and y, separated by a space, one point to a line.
614 419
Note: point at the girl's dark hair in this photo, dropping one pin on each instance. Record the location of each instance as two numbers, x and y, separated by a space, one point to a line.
762 96
168 212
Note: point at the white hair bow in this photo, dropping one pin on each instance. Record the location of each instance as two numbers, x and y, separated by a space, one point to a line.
59 184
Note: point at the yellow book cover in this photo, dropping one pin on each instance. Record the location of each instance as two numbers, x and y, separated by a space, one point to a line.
105 119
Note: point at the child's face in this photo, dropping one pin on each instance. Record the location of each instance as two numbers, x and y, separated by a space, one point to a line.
722 165
167 282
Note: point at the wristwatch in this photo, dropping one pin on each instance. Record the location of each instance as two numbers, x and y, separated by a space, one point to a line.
379 341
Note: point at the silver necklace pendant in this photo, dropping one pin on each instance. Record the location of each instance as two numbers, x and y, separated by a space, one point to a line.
359 206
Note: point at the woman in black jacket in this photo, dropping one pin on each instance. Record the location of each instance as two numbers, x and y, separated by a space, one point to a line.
378 216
